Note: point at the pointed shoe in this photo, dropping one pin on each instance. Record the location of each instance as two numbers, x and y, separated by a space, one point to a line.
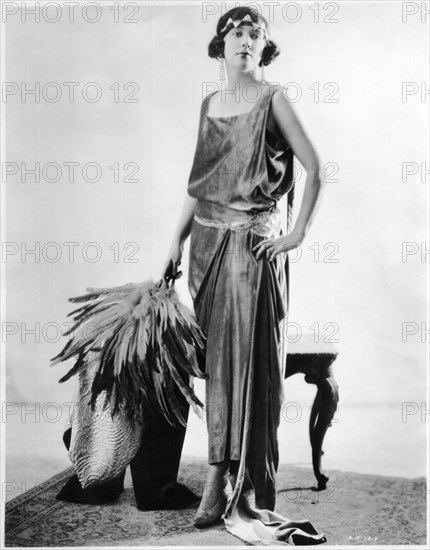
207 517
211 516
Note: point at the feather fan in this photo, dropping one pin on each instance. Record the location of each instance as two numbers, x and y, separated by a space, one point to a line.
149 347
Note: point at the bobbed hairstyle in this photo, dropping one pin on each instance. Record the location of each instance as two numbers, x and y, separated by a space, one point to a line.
216 45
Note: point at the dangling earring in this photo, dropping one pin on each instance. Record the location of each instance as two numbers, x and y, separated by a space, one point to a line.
262 76
221 70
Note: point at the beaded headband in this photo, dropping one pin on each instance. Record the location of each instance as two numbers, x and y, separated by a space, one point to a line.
247 19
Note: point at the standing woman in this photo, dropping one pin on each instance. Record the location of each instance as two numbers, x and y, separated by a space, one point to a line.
238 275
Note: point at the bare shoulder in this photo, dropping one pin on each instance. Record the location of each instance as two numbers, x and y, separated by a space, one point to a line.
211 94
282 108
291 127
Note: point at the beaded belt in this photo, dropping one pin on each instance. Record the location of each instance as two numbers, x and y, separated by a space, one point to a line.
264 224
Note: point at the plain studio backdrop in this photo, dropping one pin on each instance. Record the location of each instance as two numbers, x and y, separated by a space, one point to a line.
344 69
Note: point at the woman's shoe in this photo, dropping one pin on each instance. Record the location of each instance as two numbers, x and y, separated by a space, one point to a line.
205 516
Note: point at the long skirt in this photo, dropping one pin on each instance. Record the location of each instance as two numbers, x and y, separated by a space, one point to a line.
240 303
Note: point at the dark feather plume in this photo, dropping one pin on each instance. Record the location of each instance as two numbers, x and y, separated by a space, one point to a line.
147 346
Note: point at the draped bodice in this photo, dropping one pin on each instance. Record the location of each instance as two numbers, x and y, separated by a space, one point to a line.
242 162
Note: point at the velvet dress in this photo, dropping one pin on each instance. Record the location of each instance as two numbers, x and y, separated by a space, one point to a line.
242 166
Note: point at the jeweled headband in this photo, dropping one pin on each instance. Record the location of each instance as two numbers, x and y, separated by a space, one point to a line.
247 19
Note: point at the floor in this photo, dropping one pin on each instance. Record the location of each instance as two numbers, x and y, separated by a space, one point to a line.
363 439
356 509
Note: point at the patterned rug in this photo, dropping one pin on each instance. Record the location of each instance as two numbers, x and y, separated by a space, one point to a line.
355 509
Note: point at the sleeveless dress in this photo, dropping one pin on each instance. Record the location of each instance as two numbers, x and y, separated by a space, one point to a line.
242 167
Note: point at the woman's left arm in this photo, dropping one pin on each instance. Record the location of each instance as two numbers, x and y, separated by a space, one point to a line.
295 135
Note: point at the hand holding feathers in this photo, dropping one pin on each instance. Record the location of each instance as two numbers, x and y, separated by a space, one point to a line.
148 345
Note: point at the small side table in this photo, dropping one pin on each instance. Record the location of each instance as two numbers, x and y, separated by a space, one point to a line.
314 360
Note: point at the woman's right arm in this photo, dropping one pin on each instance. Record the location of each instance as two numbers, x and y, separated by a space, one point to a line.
170 269
184 225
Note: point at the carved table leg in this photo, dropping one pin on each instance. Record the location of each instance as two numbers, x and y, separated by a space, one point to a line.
322 413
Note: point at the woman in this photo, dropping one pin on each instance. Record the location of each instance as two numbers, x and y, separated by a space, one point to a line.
238 275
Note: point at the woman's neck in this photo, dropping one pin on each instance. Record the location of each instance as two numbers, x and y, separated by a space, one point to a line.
238 85
238 80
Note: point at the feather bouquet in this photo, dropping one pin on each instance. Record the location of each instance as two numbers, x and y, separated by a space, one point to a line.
143 347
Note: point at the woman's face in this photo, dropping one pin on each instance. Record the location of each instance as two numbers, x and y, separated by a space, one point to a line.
243 39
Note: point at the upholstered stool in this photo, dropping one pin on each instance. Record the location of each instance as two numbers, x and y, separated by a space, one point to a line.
314 360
